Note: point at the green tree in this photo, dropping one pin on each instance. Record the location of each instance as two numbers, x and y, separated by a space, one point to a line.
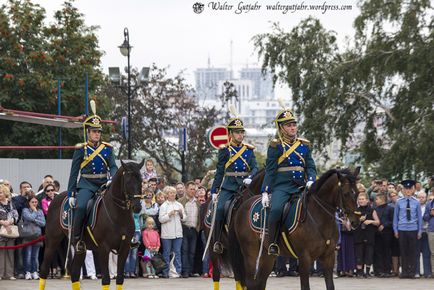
160 109
33 56
382 81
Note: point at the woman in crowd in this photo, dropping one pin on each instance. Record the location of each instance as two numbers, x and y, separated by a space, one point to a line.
364 235
32 215
171 215
8 218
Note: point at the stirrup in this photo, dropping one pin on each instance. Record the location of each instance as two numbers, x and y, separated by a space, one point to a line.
273 249
134 244
218 248
80 247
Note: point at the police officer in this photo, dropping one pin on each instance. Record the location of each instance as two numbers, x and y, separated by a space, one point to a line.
407 227
236 166
289 165
94 161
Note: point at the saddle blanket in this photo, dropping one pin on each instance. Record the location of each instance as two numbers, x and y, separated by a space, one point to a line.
257 214
91 214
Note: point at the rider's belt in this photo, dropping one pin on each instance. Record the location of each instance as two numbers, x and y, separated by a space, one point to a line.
95 176
236 173
290 168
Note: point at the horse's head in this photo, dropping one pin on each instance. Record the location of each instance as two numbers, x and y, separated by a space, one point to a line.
131 184
347 195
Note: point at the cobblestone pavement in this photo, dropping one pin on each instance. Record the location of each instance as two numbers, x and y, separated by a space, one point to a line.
228 284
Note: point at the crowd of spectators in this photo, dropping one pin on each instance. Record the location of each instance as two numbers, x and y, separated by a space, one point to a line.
170 225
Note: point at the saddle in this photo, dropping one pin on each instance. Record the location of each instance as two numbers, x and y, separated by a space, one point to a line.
258 216
91 212
229 207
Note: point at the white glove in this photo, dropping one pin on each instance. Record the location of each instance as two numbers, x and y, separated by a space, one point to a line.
309 184
72 202
247 181
265 200
109 181
214 196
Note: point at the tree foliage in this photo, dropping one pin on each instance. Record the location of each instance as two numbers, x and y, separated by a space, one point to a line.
160 109
381 83
33 56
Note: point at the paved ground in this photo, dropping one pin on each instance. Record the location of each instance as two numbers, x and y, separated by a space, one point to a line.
228 284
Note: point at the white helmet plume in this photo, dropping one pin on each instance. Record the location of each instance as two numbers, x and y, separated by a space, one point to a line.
281 103
233 111
93 106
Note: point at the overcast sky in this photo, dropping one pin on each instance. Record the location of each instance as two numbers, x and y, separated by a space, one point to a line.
169 33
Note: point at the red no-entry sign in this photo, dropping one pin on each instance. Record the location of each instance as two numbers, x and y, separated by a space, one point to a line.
218 136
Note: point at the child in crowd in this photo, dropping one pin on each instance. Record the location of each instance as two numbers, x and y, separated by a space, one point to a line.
151 240
149 170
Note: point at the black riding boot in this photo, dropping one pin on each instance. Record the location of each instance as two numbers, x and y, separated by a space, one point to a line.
273 235
80 246
218 246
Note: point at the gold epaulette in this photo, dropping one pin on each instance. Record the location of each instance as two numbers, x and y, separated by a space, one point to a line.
274 142
223 146
107 144
249 146
304 141
79 145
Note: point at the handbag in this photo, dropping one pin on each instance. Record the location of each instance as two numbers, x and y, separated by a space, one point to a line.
158 263
12 234
28 230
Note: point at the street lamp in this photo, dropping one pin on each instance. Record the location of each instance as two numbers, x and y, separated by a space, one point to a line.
125 49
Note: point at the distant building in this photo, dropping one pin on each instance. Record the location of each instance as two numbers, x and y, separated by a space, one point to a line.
262 85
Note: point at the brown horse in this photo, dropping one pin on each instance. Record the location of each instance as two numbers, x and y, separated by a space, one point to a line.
315 237
113 230
224 261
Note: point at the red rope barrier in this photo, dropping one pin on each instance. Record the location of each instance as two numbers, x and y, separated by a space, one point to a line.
41 238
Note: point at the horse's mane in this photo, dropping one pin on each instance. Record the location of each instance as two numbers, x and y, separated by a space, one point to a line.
320 182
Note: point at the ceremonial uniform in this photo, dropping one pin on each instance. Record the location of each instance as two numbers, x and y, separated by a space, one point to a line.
289 166
407 222
95 163
236 165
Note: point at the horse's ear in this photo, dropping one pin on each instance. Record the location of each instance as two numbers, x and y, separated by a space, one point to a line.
357 171
123 164
141 163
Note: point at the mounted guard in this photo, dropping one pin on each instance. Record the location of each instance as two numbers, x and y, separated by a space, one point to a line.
94 161
236 166
289 166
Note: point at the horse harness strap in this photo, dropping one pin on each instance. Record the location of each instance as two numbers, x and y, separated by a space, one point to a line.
288 152
93 155
236 156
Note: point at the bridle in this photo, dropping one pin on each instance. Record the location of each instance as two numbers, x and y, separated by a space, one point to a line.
125 203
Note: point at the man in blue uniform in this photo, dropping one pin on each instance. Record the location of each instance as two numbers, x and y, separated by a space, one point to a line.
289 166
236 166
94 161
407 226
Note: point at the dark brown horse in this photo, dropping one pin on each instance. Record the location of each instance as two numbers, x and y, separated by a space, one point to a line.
113 230
224 261
315 237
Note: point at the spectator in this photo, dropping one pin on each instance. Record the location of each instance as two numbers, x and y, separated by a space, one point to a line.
429 217
49 192
151 240
374 189
131 262
149 209
407 227
190 229
149 170
364 236
7 183
418 188
346 255
383 238
8 217
56 184
48 179
180 190
393 198
152 185
201 195
33 215
160 198
171 215
423 242
207 179
198 181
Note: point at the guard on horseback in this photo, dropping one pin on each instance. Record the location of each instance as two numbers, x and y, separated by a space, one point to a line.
94 161
236 166
289 166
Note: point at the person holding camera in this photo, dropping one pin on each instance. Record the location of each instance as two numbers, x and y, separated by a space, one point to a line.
429 217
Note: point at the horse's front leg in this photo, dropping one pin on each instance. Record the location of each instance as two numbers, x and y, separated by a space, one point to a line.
304 268
327 263
103 257
122 258
77 263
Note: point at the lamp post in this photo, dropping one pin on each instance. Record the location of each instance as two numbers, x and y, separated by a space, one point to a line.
125 49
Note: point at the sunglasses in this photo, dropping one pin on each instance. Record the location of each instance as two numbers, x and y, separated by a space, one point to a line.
50 190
